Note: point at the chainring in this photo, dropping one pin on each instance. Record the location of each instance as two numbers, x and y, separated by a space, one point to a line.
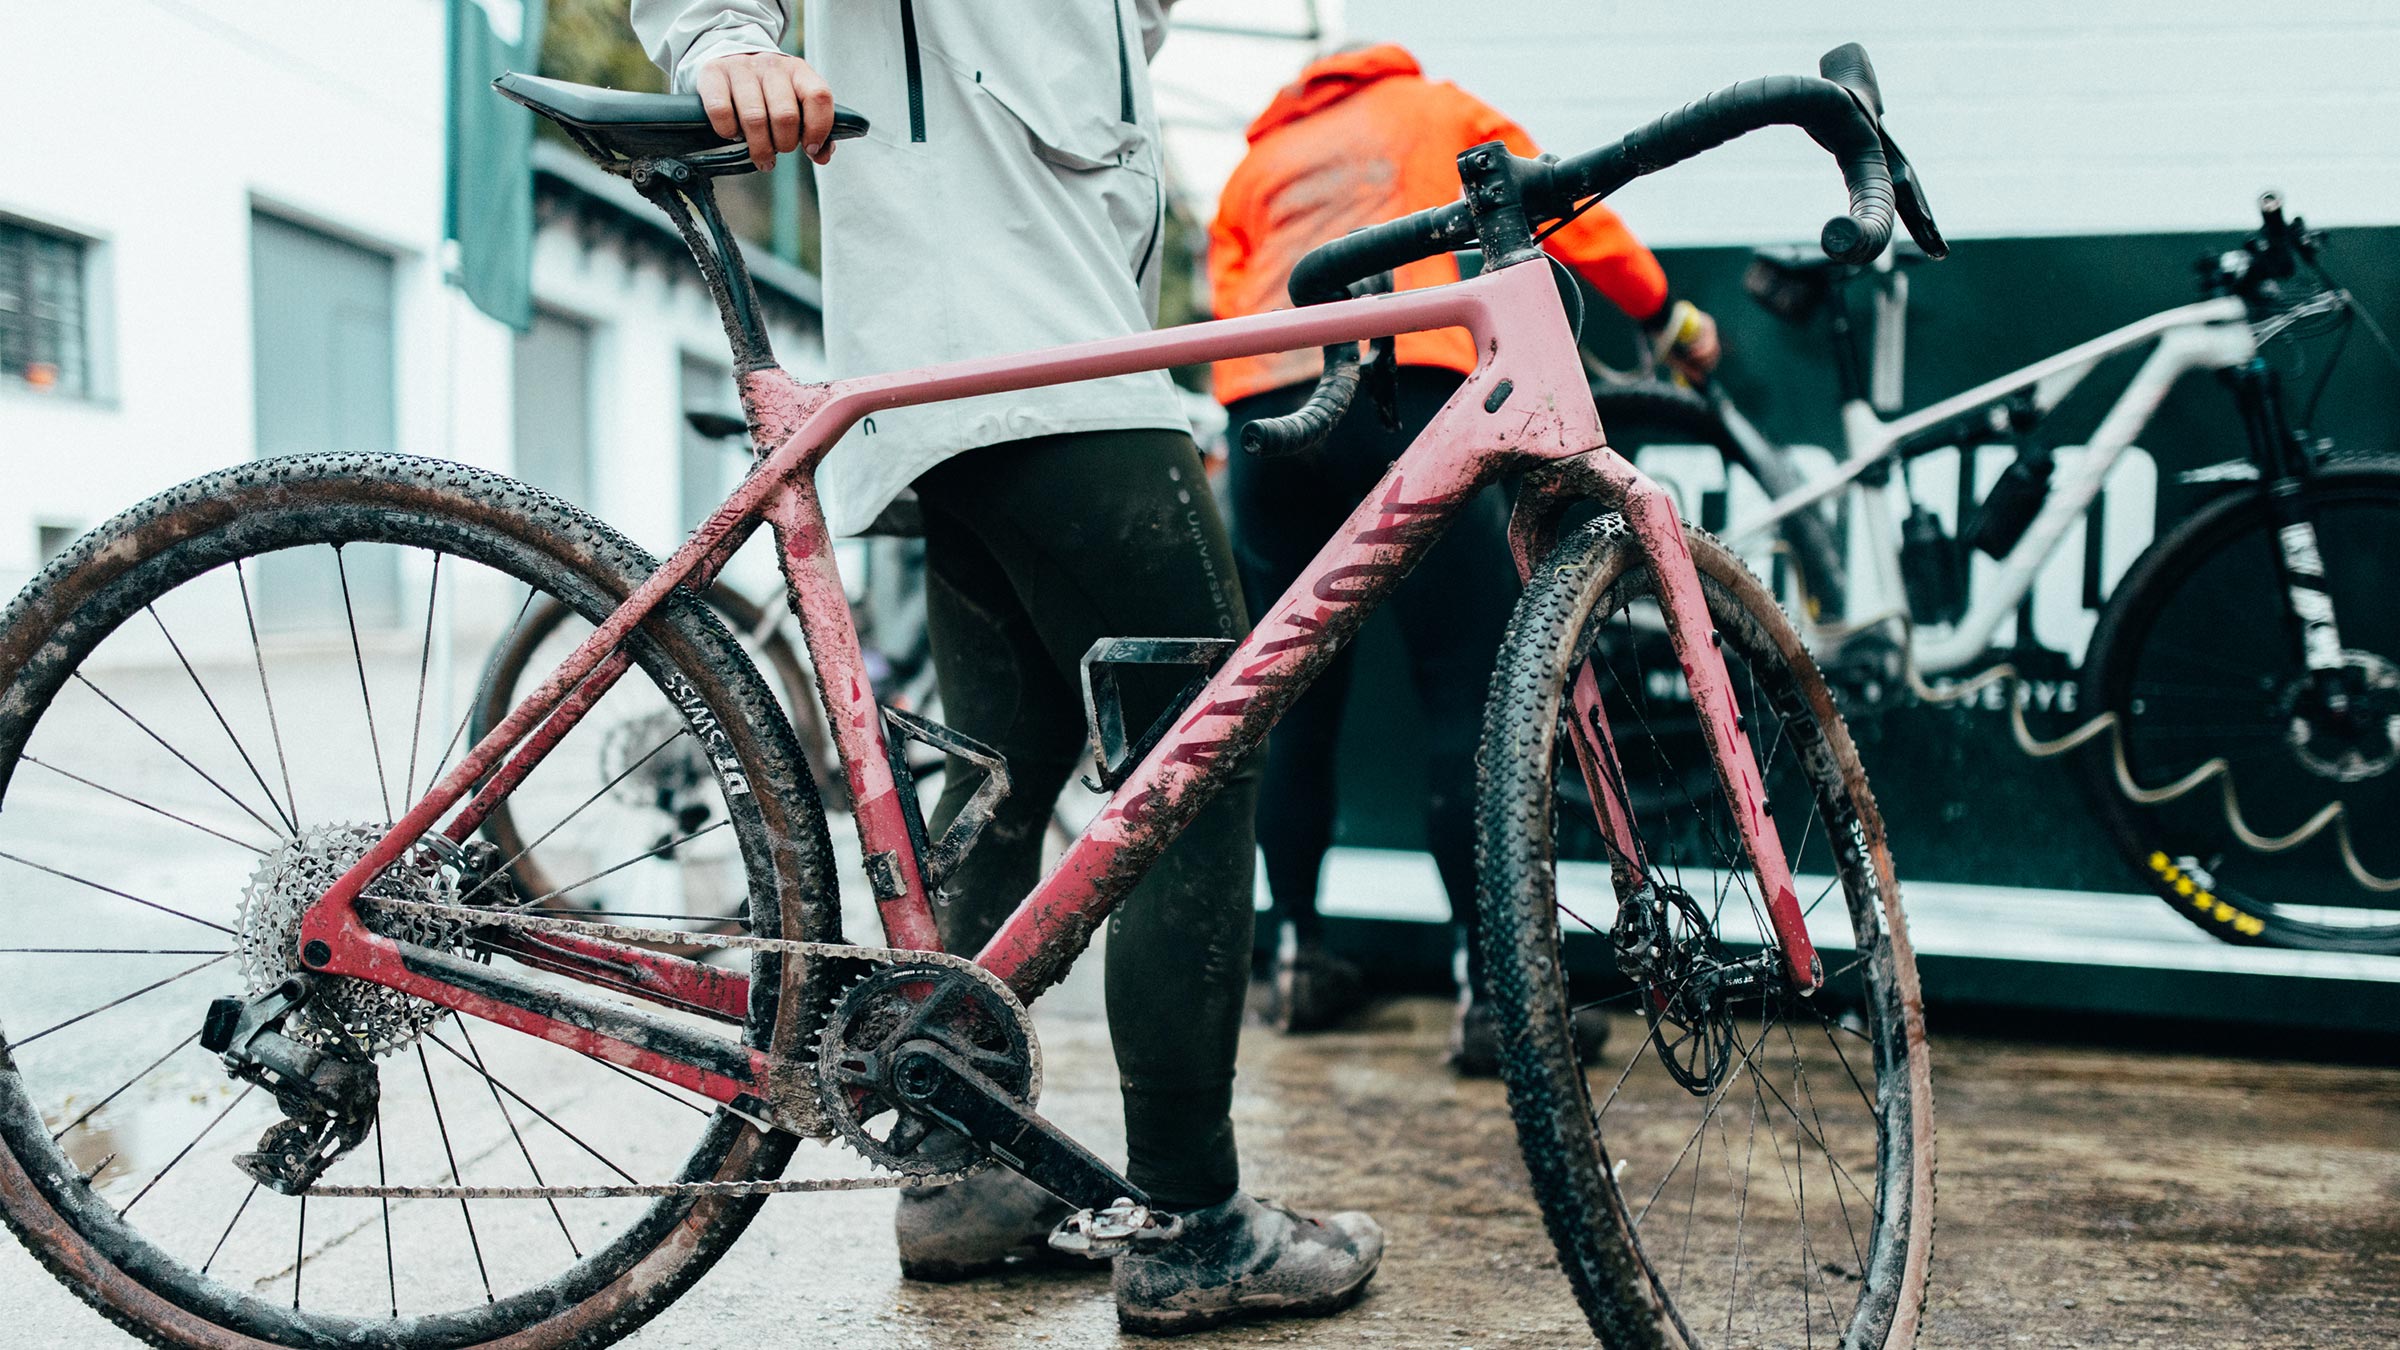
910 1001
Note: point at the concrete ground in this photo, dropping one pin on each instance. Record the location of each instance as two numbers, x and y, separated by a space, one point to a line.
2089 1197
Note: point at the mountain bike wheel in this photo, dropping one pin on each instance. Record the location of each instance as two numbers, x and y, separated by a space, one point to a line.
1751 1170
2195 660
207 707
666 796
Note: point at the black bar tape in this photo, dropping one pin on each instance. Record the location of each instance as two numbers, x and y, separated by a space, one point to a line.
1328 273
1823 109
1848 66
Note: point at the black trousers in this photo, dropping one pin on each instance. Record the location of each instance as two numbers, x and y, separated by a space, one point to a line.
1452 612
1034 550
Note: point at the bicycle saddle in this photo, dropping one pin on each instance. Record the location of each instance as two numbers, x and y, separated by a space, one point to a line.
616 124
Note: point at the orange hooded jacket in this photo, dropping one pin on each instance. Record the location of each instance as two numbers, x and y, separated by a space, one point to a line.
1360 138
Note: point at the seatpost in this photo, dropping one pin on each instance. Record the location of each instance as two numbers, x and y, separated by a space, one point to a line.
1496 199
684 192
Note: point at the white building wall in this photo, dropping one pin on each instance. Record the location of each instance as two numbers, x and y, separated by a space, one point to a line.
330 115
2033 118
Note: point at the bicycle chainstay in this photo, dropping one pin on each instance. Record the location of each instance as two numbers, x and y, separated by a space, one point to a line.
517 919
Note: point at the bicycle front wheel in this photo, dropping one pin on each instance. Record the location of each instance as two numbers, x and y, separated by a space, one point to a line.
1748 1166
2256 806
209 708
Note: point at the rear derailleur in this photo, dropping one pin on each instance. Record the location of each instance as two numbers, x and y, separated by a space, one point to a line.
329 1092
1688 983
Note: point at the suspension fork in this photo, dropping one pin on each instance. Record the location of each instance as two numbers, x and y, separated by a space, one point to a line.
2285 470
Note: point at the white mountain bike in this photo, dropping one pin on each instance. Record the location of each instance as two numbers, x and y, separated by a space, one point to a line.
2242 688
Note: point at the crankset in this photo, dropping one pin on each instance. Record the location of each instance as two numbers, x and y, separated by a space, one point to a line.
955 1069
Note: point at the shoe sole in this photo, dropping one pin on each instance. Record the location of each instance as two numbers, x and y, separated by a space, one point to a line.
955 1272
1147 1323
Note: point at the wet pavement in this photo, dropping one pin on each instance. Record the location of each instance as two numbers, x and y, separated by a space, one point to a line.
2089 1197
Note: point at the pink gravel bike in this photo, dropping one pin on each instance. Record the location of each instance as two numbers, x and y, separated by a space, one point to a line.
186 754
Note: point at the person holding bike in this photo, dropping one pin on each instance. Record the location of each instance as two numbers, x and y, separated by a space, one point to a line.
1013 174
1361 137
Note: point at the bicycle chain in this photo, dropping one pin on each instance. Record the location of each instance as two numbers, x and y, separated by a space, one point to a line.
518 919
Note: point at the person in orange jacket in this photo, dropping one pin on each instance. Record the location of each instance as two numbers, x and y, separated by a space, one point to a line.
1361 137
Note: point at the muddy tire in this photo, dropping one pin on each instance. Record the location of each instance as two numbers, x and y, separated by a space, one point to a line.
1642 1280
632 1268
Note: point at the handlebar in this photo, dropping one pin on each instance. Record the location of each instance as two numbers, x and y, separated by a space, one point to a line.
1508 199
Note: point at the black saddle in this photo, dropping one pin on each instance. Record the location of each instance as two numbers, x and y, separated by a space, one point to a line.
613 125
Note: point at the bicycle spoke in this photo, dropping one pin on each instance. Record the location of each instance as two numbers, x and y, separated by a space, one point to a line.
227 793
544 1116
655 1086
247 1196
110 951
605 788
416 722
1715 1100
482 688
367 700
136 801
444 1127
391 1274
185 1151
299 1250
667 847
1741 1219
511 1122
274 728
88 1112
290 823
16 1046
1801 1088
122 895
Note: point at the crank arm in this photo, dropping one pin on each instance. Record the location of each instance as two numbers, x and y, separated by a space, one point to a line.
939 1086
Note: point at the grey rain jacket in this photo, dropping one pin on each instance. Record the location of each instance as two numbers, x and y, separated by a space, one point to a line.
1008 197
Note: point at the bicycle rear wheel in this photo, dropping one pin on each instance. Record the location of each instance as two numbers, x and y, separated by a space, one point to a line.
2195 659
1755 1169
210 706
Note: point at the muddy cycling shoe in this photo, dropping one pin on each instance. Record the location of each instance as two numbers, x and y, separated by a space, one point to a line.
1246 1259
1475 1038
976 1226
1314 989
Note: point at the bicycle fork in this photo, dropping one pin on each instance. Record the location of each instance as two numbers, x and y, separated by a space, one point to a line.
2284 466
1649 513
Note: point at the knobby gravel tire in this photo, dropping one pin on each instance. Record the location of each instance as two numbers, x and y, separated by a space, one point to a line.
82 596
1594 571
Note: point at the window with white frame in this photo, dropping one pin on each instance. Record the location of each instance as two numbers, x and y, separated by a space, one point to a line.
44 330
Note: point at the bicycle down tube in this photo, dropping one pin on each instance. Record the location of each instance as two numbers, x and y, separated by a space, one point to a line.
2209 334
1526 404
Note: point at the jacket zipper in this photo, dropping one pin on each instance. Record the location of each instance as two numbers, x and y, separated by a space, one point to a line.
916 68
1124 69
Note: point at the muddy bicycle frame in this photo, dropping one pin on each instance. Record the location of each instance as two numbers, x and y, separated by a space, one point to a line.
1524 409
